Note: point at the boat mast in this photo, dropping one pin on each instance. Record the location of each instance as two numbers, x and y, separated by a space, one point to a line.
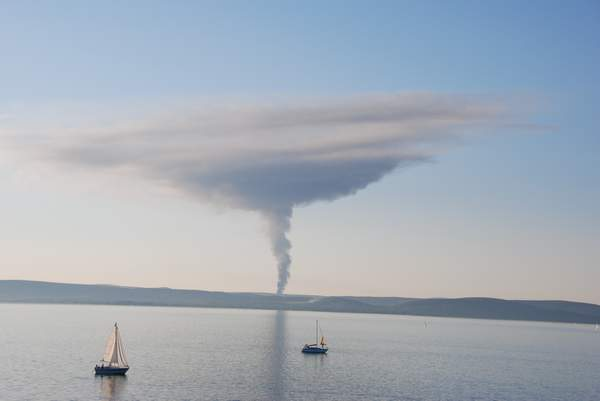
116 346
317 335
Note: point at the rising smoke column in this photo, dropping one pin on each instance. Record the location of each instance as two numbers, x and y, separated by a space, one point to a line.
279 226
270 158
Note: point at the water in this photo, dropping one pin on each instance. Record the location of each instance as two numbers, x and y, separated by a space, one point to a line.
48 353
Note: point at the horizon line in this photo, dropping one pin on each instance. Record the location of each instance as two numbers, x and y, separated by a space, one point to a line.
274 294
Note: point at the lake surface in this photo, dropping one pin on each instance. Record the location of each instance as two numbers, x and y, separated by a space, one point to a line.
48 353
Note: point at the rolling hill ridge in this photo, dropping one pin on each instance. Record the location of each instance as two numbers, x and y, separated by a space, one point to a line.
18 291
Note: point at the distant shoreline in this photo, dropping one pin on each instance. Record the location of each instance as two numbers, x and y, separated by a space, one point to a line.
242 308
36 292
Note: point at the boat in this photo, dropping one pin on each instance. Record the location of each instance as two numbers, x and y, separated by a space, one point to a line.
114 361
319 347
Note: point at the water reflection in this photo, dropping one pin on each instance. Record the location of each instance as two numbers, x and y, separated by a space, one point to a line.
315 360
278 357
112 387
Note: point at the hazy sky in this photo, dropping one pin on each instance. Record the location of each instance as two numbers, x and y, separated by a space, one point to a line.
147 144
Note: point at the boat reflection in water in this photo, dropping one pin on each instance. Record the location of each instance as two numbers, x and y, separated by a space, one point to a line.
112 387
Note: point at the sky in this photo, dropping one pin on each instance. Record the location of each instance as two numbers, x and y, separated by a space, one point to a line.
464 137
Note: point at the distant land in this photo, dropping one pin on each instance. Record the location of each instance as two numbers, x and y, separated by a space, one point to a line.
19 291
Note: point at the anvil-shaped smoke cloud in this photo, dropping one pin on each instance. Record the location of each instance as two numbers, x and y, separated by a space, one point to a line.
272 158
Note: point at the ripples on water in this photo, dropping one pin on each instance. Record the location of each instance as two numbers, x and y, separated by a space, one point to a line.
225 354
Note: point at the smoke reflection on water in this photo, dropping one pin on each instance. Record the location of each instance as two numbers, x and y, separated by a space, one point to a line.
278 357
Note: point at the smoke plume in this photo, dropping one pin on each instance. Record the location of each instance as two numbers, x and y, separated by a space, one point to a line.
272 158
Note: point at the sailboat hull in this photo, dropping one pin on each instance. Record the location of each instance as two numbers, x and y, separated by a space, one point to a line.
110 371
314 350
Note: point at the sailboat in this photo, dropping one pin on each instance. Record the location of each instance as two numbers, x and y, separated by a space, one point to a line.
319 347
114 361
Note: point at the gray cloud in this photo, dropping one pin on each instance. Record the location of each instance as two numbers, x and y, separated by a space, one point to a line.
272 158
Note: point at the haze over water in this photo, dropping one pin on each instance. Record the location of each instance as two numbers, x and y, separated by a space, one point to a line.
226 354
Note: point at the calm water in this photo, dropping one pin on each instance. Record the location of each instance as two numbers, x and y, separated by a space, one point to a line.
48 352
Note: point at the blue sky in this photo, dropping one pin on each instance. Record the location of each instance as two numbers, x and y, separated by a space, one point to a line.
512 214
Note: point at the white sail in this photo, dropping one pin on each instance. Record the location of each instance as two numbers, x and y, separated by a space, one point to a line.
114 354
110 347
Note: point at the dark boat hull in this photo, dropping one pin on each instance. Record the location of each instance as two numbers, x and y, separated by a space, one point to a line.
314 350
108 371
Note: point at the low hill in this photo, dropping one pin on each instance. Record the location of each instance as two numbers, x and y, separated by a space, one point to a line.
16 291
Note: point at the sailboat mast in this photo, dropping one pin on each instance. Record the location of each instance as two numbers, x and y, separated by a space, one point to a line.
317 334
116 346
